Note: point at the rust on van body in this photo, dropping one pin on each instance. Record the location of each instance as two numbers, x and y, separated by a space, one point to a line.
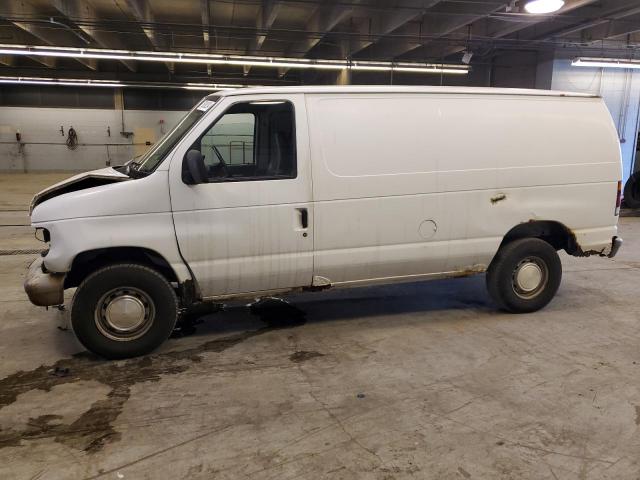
498 198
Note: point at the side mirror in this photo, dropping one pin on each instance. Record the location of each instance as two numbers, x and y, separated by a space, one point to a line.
194 170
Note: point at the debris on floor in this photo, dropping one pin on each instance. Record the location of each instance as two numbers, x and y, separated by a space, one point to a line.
276 312
61 371
303 356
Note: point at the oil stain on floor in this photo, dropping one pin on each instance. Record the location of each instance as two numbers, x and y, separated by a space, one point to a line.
94 428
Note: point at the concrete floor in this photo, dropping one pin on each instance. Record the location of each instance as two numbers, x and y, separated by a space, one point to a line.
413 381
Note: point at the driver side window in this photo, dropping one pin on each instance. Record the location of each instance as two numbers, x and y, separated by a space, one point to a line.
230 141
250 141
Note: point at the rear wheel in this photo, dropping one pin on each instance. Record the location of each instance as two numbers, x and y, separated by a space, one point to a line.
524 275
632 191
123 311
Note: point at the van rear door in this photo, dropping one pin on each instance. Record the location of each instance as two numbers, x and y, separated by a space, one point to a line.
250 228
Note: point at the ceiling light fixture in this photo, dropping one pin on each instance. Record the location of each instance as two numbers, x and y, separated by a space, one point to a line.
605 63
409 67
543 6
240 60
77 82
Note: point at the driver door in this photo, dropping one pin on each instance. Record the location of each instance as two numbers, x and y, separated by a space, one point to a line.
250 228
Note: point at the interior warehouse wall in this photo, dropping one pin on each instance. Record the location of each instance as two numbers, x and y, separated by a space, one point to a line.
38 112
43 147
620 89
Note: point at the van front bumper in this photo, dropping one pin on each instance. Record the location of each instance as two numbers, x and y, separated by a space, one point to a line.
44 289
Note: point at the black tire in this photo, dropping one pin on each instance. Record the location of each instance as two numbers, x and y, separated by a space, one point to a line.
507 280
134 288
632 191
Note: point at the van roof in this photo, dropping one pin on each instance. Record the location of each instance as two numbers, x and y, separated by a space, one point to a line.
399 89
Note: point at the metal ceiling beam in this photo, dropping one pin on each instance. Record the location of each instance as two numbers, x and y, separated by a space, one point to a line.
48 62
384 24
611 24
143 13
569 6
330 14
592 24
264 22
23 36
501 32
432 29
615 29
448 20
47 32
82 10
205 16
324 19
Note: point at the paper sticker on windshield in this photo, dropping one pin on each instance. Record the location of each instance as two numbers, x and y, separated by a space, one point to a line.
205 105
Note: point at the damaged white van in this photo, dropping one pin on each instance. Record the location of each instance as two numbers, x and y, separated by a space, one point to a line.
263 191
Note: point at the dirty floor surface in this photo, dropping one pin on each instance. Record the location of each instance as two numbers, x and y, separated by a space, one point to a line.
412 381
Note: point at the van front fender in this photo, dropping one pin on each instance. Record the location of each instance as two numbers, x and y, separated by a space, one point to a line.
150 231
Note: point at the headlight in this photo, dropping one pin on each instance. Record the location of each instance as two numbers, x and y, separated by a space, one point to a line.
43 235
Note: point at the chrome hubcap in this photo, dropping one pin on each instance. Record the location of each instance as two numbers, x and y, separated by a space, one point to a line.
124 314
530 277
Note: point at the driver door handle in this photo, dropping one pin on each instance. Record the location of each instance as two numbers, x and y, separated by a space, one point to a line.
304 217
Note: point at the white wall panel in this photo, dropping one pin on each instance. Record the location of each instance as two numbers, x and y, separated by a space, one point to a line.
44 147
620 90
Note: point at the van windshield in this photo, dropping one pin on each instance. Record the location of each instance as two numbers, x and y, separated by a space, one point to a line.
154 156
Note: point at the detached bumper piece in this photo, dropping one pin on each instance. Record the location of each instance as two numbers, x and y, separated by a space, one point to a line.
616 243
44 289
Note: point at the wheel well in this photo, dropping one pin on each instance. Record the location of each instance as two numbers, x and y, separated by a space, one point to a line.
88 262
554 233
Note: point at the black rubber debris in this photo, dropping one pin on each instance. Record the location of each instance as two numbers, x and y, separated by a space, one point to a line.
61 372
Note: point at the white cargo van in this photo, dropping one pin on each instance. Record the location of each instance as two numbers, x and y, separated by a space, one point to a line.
263 191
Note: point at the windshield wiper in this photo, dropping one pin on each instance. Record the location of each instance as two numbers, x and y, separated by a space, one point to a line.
133 170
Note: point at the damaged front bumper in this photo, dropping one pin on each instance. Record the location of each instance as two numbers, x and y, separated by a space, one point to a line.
44 289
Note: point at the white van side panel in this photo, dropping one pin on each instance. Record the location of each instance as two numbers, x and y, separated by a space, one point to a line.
386 166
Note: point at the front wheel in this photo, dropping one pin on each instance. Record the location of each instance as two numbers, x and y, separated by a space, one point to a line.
524 275
124 310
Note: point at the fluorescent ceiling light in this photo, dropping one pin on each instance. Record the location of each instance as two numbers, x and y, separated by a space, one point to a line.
543 6
605 63
409 67
240 60
72 82
62 81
